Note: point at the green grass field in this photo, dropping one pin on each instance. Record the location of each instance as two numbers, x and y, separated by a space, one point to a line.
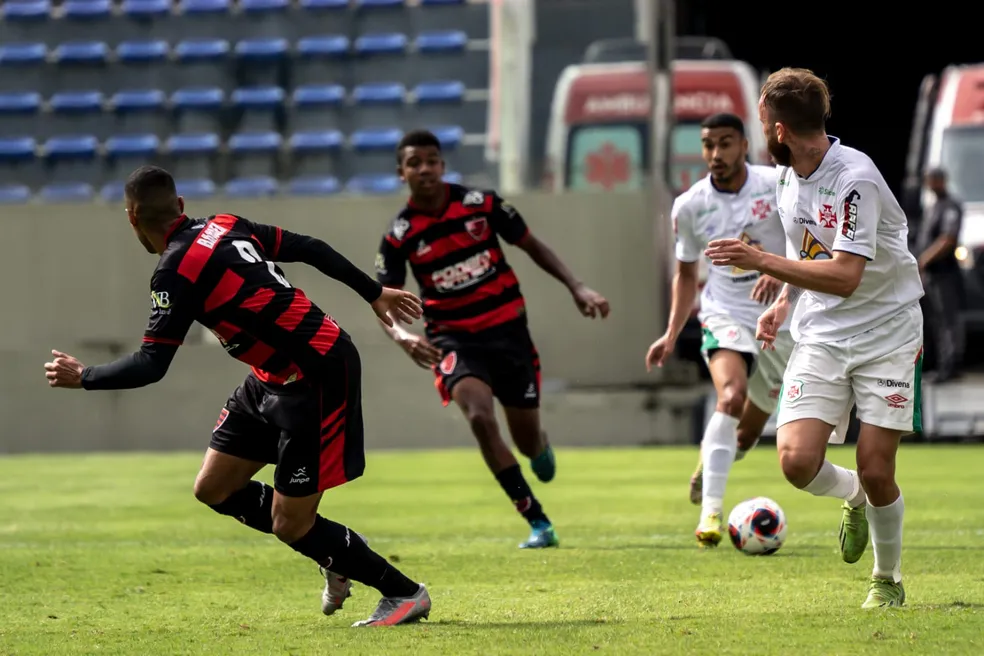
112 555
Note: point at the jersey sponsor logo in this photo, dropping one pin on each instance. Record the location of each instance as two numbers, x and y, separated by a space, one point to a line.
300 476
464 274
850 225
160 300
885 382
380 264
473 199
828 217
803 221
448 364
423 248
761 209
221 420
896 401
508 209
824 191
211 235
477 228
794 390
400 228
812 248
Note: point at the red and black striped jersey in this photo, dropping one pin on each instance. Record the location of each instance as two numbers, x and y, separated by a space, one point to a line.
220 271
455 256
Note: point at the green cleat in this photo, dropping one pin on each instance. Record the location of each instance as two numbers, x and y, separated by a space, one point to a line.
545 465
853 533
884 593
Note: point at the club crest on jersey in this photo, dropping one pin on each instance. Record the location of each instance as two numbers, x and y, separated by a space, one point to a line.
473 198
478 228
221 420
400 228
827 216
812 248
448 364
761 209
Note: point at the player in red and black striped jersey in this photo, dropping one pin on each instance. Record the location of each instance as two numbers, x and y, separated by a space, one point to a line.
477 342
301 406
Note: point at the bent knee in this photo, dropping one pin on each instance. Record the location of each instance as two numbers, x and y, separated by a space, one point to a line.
210 490
876 475
481 418
291 527
799 466
731 399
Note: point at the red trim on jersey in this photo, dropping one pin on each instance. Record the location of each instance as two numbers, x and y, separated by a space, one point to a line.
257 301
295 313
162 340
197 255
445 246
229 285
276 243
328 421
491 288
226 330
501 314
174 226
331 463
326 336
279 378
257 354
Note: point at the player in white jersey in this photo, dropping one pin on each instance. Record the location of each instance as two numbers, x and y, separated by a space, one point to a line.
854 291
736 200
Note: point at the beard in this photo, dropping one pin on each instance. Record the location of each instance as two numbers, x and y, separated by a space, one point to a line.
779 151
726 176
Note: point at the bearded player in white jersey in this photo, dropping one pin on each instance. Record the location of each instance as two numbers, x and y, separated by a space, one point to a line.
736 200
854 290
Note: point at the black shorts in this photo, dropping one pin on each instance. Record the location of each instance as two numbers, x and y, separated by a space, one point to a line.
311 429
503 357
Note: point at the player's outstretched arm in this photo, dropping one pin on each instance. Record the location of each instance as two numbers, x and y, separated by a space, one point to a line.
145 367
588 301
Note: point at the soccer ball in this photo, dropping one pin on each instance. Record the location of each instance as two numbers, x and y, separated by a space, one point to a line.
757 526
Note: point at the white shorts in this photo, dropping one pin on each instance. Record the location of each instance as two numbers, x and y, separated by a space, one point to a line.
722 332
879 370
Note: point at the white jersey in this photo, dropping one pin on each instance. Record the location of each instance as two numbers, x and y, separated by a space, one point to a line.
845 205
703 213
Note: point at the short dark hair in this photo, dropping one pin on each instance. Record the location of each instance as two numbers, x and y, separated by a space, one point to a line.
417 139
153 194
724 120
798 99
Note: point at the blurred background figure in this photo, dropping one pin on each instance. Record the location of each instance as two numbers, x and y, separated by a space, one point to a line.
935 247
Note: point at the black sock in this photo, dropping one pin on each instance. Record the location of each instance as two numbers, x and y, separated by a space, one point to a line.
512 481
252 505
339 549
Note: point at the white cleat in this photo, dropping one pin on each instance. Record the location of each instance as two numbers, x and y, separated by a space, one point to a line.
337 588
400 610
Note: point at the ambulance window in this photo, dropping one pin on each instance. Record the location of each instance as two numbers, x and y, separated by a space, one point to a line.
607 157
686 163
963 160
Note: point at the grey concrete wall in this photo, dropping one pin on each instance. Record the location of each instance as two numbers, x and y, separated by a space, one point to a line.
74 278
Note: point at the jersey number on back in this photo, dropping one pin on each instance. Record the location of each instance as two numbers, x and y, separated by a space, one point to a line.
248 252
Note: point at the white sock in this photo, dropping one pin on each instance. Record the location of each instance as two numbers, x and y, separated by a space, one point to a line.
741 453
837 482
717 454
885 524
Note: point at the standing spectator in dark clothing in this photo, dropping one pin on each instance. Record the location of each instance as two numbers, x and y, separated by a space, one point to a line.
942 277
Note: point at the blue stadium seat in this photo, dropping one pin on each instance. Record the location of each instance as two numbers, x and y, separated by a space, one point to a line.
145 10
86 10
444 41
19 112
260 61
18 160
380 57
71 158
442 2
378 4
374 183
195 188
193 154
20 64
255 153
67 192
440 92
453 177
25 20
374 149
450 136
198 109
316 153
322 59
81 65
124 152
314 186
113 192
78 112
141 64
259 107
314 5
252 187
140 111
203 18
317 107
263 18
202 62
14 194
